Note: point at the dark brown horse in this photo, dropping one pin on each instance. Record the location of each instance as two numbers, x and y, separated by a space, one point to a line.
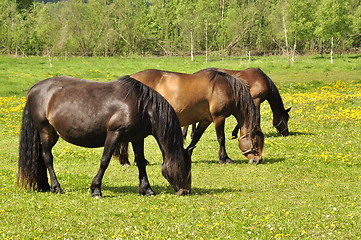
95 114
206 97
262 88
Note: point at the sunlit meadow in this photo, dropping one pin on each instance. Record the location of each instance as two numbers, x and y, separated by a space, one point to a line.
308 188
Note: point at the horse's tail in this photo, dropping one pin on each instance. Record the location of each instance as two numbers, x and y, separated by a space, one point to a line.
121 152
31 167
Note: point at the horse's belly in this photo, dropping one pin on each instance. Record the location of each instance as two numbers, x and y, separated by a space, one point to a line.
194 115
90 140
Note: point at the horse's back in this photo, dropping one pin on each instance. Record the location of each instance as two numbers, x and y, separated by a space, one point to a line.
39 95
44 90
149 77
82 111
188 94
255 79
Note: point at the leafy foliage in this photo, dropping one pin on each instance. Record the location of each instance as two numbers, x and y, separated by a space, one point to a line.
176 27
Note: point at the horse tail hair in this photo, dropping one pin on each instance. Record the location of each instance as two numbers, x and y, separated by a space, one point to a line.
121 152
31 166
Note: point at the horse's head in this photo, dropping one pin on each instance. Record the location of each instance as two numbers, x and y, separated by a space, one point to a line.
251 145
178 173
280 121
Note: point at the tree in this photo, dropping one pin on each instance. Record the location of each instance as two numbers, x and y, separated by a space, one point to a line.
332 21
296 19
12 27
24 4
301 23
356 26
85 27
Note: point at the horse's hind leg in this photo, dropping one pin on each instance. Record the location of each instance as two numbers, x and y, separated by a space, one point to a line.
202 126
48 139
184 132
219 125
144 186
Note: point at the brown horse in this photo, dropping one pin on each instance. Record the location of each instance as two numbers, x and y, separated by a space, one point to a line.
206 97
262 88
96 114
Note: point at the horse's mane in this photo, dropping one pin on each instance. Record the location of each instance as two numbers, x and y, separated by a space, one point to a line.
162 118
241 94
274 94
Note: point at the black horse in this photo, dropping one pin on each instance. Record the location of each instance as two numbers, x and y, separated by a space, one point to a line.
96 114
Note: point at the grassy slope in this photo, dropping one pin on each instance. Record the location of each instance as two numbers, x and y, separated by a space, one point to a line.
309 187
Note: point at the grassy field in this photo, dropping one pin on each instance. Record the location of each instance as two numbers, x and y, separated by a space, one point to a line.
308 188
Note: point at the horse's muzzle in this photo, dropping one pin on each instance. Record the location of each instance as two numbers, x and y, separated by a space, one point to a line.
255 160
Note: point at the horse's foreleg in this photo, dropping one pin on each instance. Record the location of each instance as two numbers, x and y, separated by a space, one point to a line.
144 186
219 125
235 132
109 146
202 126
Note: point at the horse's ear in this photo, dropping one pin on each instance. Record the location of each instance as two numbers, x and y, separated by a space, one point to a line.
190 150
289 109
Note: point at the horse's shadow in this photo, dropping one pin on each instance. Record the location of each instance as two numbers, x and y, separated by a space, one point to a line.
133 189
301 133
163 190
240 161
277 135
294 133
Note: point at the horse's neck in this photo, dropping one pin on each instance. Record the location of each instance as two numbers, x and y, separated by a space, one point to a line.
169 149
274 99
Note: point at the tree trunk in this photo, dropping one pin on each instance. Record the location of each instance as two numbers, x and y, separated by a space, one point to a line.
294 49
192 56
206 41
286 37
331 53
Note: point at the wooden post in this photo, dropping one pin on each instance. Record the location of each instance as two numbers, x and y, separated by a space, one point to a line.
331 53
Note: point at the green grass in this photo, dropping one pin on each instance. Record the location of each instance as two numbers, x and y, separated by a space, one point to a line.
308 188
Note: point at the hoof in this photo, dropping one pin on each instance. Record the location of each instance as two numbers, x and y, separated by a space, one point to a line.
125 164
44 188
96 193
183 192
226 161
252 161
57 190
147 192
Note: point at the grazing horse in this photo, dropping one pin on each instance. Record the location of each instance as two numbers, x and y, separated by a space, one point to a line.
262 88
206 97
97 114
